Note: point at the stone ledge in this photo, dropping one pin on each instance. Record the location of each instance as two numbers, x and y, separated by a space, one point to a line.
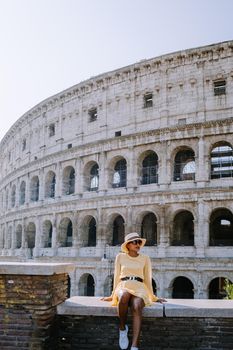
32 268
199 308
93 306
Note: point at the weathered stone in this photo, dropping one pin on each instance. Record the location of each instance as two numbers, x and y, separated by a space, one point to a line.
63 132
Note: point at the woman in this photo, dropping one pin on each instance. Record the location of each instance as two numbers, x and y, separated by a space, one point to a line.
132 287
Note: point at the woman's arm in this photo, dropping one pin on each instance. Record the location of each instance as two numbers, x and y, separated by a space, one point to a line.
148 279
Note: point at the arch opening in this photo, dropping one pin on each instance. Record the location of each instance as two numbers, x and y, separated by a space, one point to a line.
86 285
184 165
18 241
34 189
182 288
120 174
65 233
118 231
68 180
149 229
47 234
22 193
216 288
50 184
221 228
150 169
183 229
221 161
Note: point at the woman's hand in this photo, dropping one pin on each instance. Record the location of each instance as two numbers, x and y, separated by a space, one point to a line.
161 300
106 298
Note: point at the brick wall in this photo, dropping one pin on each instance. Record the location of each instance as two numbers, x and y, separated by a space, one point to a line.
173 333
28 308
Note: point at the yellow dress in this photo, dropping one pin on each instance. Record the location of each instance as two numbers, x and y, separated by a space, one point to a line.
140 266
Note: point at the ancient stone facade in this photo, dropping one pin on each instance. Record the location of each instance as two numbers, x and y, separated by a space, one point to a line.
145 148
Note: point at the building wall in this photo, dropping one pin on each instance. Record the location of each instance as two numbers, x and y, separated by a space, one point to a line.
57 135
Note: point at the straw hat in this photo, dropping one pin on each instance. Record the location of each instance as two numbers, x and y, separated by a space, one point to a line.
129 238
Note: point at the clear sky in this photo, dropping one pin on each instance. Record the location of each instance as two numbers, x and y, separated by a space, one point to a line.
50 45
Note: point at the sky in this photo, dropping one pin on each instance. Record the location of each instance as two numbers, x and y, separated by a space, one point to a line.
47 46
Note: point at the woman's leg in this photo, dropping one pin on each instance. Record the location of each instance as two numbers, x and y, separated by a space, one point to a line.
137 304
123 305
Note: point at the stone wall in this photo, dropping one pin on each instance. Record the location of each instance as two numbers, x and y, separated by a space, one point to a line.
88 323
101 333
28 303
185 114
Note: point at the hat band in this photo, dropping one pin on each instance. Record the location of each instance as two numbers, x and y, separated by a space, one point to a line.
133 238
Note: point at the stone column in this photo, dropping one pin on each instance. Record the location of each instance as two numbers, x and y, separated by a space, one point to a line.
202 294
75 230
103 173
201 163
27 192
132 171
17 193
38 237
5 238
162 233
201 239
58 180
41 184
128 223
13 239
78 177
164 166
99 284
54 235
23 244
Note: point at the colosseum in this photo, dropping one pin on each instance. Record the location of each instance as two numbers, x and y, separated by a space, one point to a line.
145 148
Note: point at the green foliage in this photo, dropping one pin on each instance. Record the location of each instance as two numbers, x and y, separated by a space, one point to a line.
228 287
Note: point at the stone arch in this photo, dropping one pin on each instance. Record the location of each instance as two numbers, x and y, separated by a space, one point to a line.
221 227
13 196
68 180
148 228
50 184
65 233
88 228
221 160
216 288
30 235
18 236
118 172
184 164
182 288
22 193
86 285
47 232
148 167
91 176
182 231
34 188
